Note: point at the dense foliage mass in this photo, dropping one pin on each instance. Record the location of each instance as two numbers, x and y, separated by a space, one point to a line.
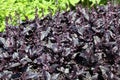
27 8
74 45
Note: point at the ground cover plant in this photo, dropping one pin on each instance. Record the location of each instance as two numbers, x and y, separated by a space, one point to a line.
27 8
79 44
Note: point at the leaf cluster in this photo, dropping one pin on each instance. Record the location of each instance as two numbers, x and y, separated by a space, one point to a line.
78 44
27 8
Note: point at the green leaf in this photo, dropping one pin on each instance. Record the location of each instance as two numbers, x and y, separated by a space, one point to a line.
73 2
95 1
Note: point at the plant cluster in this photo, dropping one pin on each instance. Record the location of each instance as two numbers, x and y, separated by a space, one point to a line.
27 8
79 44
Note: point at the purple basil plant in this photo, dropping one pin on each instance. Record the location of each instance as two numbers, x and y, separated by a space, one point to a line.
79 44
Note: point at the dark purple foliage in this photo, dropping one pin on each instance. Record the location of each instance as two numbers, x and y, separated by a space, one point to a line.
75 45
